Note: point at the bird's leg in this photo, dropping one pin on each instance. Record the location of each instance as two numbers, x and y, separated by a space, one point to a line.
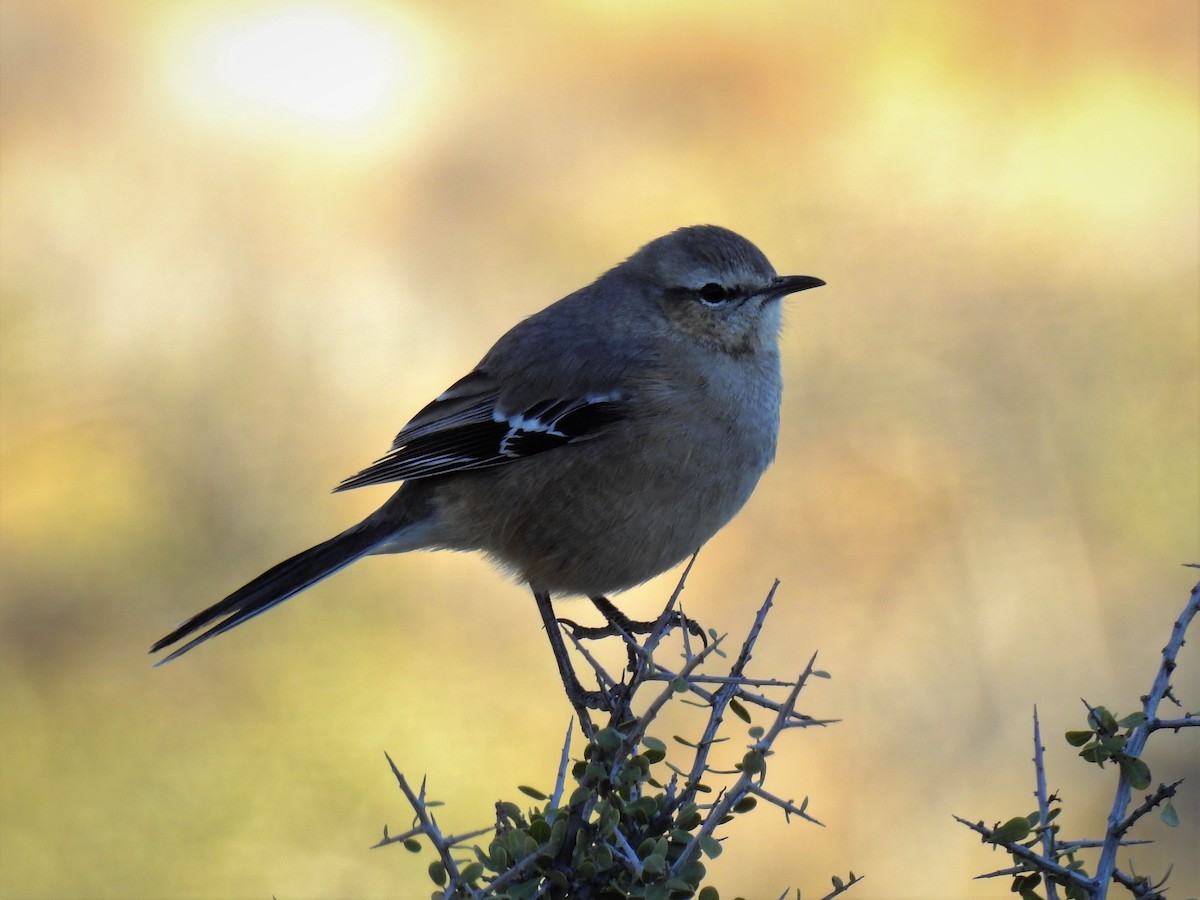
579 697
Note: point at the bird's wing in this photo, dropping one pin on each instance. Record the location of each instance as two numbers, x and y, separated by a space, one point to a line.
470 427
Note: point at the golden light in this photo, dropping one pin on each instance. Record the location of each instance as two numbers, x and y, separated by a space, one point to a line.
352 72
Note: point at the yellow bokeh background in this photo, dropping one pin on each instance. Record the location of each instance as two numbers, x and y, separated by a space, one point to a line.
242 242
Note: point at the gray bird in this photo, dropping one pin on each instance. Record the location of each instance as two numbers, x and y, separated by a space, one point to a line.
599 443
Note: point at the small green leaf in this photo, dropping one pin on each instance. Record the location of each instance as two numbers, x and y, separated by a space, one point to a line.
594 774
708 893
497 856
1169 815
710 846
515 842
532 792
655 864
558 834
606 817
693 873
1026 886
472 872
753 763
745 805
679 685
437 872
1012 831
608 739
1136 772
757 732
509 810
1103 720
688 817
635 770
739 711
1113 744
1133 720
1079 738
604 857
643 807
653 743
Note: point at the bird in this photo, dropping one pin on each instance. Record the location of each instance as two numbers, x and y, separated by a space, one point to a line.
599 443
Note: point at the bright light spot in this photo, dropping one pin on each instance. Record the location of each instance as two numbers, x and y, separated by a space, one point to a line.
352 72
315 63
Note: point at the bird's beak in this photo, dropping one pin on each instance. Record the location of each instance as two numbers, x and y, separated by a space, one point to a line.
790 284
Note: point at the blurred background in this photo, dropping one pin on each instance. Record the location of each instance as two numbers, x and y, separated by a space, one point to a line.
241 243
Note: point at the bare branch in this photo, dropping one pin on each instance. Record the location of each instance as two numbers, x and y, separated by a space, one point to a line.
1107 863
1048 849
1020 851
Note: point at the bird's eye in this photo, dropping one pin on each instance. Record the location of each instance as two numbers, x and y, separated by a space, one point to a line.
713 293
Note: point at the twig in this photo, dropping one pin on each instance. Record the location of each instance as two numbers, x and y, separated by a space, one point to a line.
1164 792
1091 844
844 886
1046 866
789 807
720 700
1191 720
725 805
519 869
430 826
1043 802
564 761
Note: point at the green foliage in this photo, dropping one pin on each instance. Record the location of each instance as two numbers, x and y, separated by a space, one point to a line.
1041 859
1027 832
623 827
1104 742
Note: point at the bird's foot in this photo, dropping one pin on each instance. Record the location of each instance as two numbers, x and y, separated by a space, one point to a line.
607 700
619 624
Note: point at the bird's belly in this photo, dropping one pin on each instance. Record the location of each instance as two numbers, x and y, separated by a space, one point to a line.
571 522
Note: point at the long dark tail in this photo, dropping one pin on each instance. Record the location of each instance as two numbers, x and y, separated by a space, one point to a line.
275 585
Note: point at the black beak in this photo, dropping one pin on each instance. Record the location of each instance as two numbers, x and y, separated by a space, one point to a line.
791 284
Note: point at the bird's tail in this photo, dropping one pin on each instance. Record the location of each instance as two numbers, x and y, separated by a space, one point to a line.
275 585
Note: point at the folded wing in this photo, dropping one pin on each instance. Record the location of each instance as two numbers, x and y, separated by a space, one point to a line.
469 427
